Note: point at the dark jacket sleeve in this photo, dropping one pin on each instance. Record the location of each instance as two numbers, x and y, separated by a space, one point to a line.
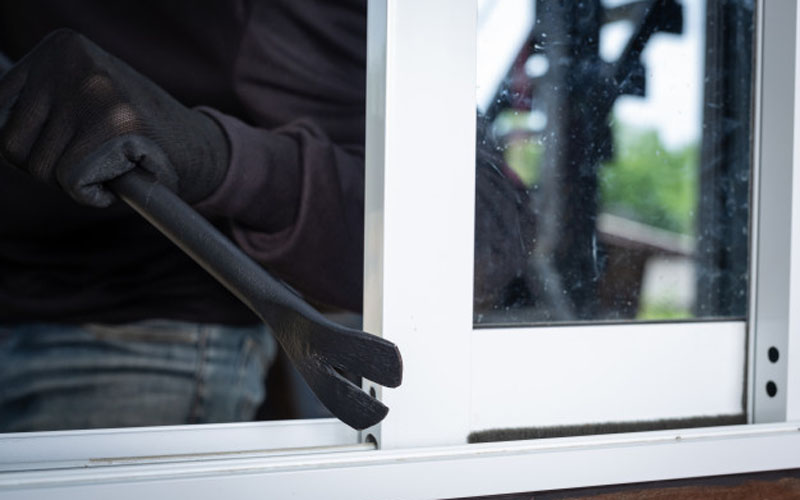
293 197
293 200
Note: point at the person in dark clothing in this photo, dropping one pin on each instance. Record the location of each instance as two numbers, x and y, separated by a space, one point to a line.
253 112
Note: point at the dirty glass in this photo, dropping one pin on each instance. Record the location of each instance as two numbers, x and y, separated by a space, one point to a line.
613 160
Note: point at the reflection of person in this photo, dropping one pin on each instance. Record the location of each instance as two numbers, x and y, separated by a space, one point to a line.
253 111
501 229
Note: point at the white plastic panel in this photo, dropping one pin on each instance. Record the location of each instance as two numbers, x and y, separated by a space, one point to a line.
576 375
420 189
43 450
451 472
793 348
771 290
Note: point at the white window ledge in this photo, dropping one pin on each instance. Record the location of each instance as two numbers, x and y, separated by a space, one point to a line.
445 472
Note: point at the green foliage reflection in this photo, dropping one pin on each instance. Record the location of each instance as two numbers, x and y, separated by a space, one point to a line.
649 183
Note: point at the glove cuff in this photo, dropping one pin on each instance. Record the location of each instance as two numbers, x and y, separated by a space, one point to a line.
198 182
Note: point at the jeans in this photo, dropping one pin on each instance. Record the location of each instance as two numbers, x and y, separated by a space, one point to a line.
155 372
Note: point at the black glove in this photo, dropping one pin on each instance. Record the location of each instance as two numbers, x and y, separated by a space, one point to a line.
79 117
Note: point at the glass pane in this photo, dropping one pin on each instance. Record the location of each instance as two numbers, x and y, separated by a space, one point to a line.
613 160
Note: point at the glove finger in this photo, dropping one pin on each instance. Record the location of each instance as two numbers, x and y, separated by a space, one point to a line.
12 82
84 179
51 143
25 121
152 158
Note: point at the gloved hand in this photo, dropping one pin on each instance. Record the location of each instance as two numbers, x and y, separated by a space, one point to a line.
79 117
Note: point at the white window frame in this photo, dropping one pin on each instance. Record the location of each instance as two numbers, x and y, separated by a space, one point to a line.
420 194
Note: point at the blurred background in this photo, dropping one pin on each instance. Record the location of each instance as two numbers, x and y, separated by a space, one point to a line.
613 160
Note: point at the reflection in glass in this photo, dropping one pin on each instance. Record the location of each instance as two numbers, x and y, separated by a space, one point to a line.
613 160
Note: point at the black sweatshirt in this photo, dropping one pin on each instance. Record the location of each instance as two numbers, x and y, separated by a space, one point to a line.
285 79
